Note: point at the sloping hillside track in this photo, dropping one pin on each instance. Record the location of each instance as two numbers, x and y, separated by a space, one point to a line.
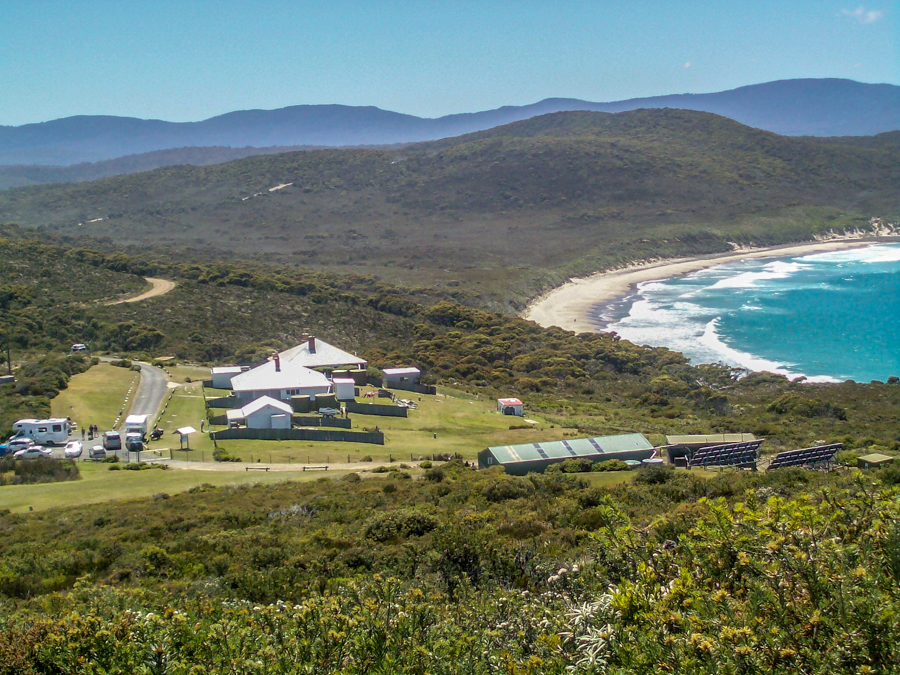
158 287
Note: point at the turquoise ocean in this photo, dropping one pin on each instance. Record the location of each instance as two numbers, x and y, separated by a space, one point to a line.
827 316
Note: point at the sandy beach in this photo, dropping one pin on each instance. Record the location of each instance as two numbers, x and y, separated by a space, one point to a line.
574 306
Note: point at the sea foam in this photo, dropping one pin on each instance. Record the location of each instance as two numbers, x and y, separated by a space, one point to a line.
824 316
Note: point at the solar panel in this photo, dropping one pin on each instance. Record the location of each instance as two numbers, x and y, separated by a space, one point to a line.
730 454
818 456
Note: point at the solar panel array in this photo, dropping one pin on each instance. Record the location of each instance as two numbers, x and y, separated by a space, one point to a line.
730 454
820 455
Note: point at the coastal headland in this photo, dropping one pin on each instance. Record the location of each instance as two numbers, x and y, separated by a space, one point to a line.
575 305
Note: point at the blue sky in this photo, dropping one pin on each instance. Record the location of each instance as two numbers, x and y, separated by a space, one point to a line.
191 60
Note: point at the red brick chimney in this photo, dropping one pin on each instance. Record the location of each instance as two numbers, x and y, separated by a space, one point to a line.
312 344
277 360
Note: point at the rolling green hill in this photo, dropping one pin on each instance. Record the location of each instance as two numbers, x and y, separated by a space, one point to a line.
37 174
504 211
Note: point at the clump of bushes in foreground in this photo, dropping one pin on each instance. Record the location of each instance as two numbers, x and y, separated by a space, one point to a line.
481 573
41 470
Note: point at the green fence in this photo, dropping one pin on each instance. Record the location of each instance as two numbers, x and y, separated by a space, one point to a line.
334 435
376 409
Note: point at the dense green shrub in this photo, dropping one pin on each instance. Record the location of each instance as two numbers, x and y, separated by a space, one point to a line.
41 470
793 403
610 465
577 465
509 487
222 455
654 474
435 475
400 523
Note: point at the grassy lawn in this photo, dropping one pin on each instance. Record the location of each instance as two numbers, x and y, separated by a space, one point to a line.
454 421
182 373
184 408
99 484
96 396
451 422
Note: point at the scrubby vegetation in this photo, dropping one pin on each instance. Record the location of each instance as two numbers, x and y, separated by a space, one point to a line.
37 381
455 571
593 383
25 472
782 573
564 193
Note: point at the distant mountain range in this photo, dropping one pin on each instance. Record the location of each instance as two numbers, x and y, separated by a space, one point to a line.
803 107
513 200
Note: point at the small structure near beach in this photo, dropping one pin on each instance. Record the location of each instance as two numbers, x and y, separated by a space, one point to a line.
510 406
395 378
873 461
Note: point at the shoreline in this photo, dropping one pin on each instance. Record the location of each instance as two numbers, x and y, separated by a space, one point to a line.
573 306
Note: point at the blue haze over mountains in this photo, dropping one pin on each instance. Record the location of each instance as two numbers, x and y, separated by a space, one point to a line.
811 107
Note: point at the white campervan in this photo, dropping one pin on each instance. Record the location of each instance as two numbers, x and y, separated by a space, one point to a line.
54 431
137 424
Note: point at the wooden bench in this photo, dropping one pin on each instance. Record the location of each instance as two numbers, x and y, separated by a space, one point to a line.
315 468
256 468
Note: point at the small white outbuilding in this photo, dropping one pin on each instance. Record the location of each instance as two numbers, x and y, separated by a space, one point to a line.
221 376
344 388
263 413
392 377
510 406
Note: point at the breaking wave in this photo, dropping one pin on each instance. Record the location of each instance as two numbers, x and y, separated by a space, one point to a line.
823 316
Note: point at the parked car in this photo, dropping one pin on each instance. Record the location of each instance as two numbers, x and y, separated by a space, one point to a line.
134 442
97 452
73 449
79 347
112 440
14 444
33 452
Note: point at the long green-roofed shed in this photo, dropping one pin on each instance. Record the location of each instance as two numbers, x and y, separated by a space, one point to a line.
524 457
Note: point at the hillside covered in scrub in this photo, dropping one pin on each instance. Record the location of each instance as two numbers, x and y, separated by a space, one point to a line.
239 312
464 572
500 213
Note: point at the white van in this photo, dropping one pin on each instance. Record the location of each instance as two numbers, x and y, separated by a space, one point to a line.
137 424
54 431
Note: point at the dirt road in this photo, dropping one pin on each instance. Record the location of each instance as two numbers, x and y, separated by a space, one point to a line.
158 287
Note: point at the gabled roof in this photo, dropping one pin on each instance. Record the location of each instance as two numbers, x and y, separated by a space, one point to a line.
401 371
326 355
709 439
265 402
510 401
576 447
266 378
226 370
